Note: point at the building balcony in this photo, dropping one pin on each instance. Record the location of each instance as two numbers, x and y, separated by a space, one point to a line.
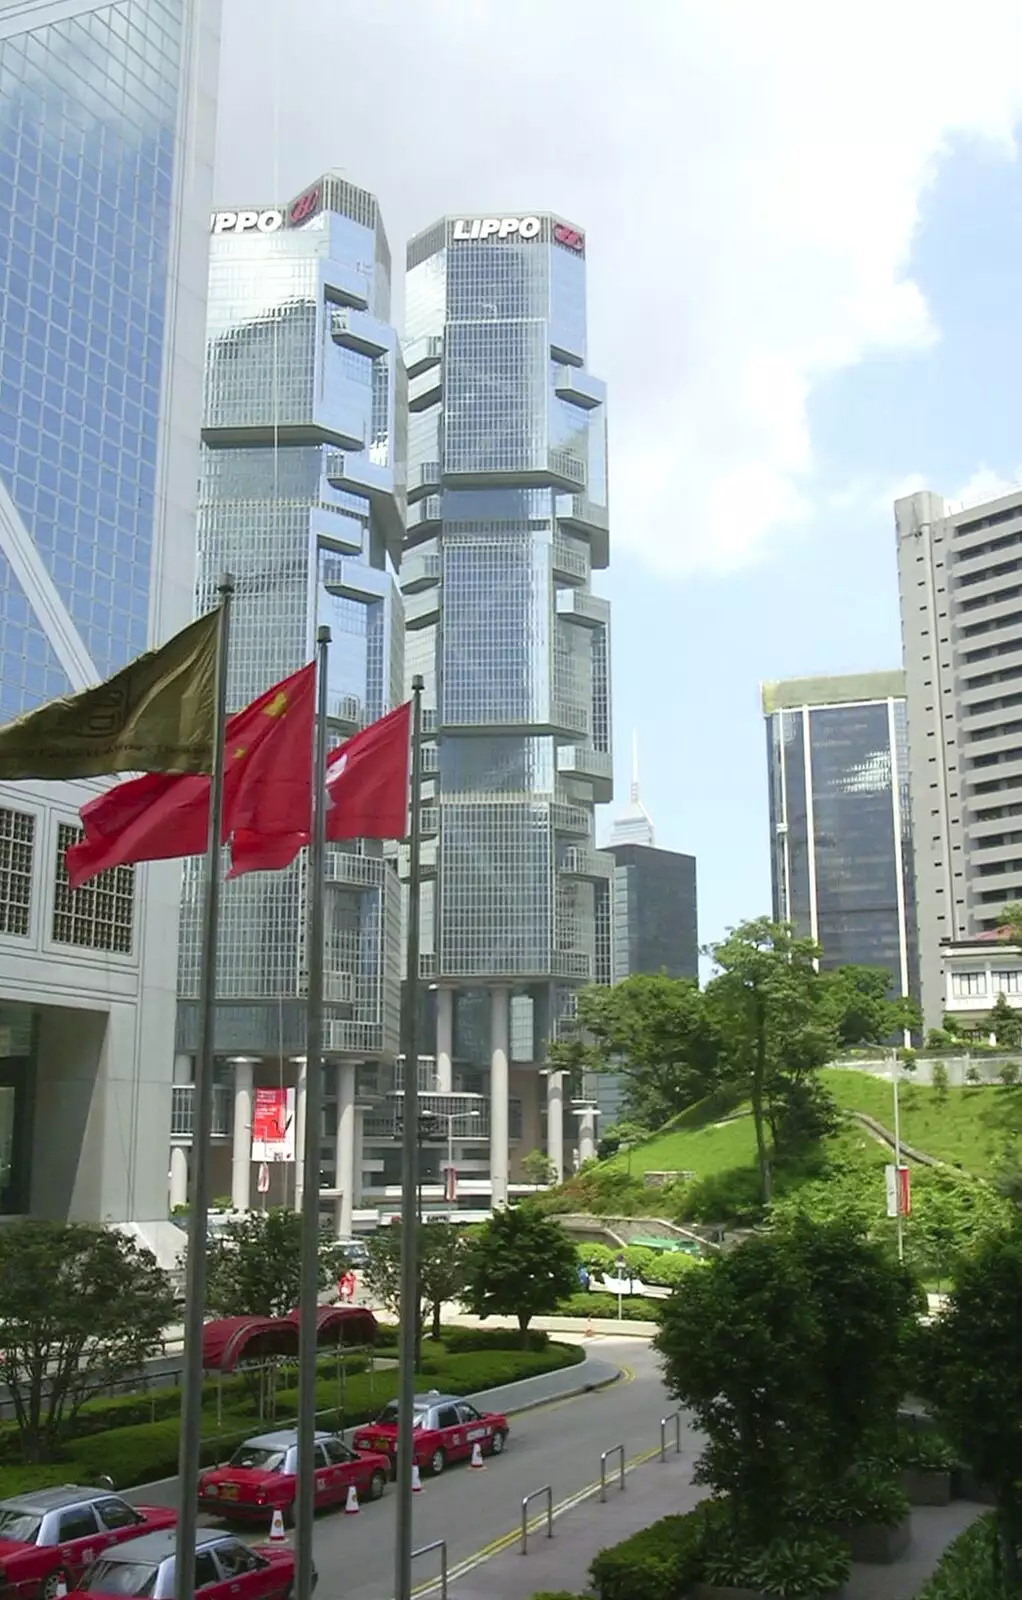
566 467
355 331
421 354
569 562
423 519
578 388
467 1114
182 1112
577 964
596 865
424 479
579 514
346 709
354 872
422 608
345 286
425 389
427 857
419 570
430 821
344 1036
585 609
571 819
597 766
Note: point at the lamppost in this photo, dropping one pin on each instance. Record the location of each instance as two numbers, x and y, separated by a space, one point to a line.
451 1115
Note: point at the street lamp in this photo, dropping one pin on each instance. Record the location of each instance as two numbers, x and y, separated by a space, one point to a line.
450 1145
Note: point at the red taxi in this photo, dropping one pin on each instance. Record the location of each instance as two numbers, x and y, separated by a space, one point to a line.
225 1569
50 1536
262 1477
445 1428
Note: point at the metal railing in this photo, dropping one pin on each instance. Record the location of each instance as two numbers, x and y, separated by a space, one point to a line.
182 1110
615 1450
427 1549
675 1417
548 1491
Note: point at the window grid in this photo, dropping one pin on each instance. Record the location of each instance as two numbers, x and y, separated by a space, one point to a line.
100 915
17 851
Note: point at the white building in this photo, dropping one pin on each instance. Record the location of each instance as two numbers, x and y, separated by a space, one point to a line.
104 214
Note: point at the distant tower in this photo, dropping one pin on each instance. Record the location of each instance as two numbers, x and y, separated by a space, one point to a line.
634 825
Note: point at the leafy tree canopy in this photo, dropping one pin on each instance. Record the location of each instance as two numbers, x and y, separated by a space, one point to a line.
859 1005
521 1265
82 1307
1005 1023
537 1168
255 1264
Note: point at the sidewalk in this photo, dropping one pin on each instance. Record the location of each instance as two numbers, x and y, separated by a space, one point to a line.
657 1490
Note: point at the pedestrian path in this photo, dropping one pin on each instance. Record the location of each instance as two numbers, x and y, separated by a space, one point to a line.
657 1489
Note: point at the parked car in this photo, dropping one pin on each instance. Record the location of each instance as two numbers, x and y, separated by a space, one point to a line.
262 1476
225 1569
51 1535
445 1430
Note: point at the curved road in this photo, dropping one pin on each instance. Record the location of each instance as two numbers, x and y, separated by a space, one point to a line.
557 1444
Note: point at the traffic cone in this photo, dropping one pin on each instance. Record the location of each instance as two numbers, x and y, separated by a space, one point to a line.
277 1533
416 1480
351 1504
477 1455
589 1328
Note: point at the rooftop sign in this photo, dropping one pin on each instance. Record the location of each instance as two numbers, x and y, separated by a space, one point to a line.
497 228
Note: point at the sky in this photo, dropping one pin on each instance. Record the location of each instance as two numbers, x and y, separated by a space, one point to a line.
803 232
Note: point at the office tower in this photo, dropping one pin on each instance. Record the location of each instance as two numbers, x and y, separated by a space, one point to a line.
961 623
302 499
107 122
841 835
655 918
507 520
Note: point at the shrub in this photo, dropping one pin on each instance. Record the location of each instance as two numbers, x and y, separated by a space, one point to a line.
968 1568
811 1565
731 1196
672 1267
869 1495
939 1079
597 1257
458 1340
596 1303
657 1563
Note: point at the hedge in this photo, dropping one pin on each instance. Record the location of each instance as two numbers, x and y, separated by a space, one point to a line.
966 1570
657 1563
597 1303
147 1451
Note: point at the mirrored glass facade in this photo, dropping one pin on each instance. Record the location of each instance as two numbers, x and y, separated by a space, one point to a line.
302 500
842 862
507 521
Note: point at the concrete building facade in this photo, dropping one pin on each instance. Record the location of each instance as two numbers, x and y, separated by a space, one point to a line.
107 129
507 522
302 499
960 581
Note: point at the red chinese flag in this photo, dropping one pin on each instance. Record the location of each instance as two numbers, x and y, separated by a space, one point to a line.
367 781
267 790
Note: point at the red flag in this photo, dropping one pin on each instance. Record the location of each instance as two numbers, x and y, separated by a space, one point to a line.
267 790
367 781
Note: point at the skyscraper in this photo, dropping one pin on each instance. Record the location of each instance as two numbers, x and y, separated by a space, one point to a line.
961 624
841 836
302 499
507 521
107 122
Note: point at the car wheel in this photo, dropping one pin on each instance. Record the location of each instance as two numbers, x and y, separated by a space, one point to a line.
497 1444
50 1586
437 1462
377 1484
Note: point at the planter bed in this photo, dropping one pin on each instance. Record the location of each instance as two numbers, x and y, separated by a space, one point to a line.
718 1591
926 1486
965 1486
875 1543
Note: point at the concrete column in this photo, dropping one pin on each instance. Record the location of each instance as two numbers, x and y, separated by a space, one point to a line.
241 1157
178 1176
184 1069
586 1136
444 1040
555 1122
499 1153
356 1165
344 1164
300 1133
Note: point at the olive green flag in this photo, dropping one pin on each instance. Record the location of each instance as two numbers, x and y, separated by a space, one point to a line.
155 715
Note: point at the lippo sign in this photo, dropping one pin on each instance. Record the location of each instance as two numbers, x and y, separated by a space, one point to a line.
497 228
246 221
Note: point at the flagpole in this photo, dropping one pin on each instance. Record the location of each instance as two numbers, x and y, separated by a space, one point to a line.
309 1297
409 1177
202 1135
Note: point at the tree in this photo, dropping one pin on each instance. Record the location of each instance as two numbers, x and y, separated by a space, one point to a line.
81 1308
1005 1023
383 1269
652 1031
537 1168
521 1264
971 1374
255 1264
774 1033
443 1267
939 1079
861 1008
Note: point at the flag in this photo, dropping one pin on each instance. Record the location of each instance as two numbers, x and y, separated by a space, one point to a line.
367 781
367 797
267 790
155 715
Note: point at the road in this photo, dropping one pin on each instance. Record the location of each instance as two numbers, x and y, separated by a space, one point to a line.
557 1444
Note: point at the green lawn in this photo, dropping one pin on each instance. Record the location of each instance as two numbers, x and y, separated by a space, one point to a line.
715 1147
973 1128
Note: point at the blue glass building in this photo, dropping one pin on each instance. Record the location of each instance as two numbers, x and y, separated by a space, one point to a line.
507 520
107 118
302 499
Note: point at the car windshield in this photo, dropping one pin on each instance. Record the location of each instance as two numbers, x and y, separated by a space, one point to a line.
259 1458
120 1577
388 1416
20 1526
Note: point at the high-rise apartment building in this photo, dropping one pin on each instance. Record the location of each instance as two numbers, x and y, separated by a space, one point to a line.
960 577
507 520
840 825
107 124
302 500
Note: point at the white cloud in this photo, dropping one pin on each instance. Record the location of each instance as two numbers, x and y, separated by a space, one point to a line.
749 176
984 484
